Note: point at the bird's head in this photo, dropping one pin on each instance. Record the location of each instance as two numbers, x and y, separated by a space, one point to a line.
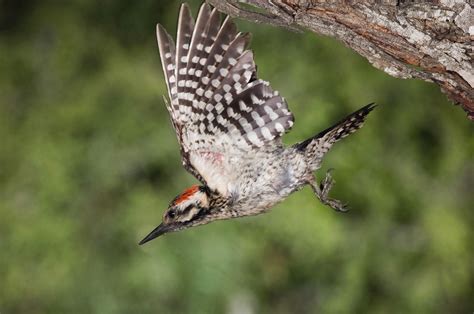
188 209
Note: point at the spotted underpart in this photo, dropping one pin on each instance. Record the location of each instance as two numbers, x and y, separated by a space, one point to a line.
215 95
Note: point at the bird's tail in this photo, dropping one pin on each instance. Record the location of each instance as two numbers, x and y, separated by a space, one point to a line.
317 146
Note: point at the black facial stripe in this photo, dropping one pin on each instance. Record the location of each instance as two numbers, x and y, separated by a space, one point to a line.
202 212
187 209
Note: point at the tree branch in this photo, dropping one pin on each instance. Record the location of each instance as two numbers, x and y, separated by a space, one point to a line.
431 40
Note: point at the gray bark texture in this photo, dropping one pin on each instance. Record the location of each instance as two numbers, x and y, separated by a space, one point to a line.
428 40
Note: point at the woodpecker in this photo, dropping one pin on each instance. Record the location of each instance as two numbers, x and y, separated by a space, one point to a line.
229 125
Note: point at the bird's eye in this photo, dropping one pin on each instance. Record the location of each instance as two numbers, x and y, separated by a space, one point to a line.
172 213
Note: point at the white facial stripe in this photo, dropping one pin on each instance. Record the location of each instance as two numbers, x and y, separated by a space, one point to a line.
187 216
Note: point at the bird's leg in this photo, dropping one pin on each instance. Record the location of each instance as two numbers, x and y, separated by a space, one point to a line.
322 191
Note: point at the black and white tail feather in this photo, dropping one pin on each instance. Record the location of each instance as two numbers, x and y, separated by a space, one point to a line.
317 146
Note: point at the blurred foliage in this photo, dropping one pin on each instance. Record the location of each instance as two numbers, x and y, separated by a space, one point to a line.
89 160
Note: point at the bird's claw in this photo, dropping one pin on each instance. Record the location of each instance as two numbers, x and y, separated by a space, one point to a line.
336 205
322 193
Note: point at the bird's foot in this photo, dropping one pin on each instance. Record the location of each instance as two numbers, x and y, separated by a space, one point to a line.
322 191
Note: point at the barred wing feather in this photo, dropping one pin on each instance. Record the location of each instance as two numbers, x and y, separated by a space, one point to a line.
218 107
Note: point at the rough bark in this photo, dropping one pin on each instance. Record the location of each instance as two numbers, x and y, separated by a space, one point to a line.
428 40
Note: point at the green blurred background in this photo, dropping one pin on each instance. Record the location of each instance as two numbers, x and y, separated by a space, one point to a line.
89 161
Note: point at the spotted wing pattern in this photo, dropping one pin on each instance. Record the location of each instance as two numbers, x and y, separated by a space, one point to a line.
218 106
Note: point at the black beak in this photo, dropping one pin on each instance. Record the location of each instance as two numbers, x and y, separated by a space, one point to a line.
160 230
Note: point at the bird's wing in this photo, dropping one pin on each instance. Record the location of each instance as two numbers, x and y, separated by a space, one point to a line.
219 109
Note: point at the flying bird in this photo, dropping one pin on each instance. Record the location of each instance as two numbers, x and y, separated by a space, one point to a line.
229 125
